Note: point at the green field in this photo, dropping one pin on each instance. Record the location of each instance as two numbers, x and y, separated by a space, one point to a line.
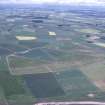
66 66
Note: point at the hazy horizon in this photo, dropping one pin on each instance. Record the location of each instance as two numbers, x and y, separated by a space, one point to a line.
88 2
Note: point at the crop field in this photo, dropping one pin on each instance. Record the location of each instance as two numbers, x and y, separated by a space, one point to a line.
89 31
11 85
43 85
98 71
75 82
31 44
53 57
4 51
13 47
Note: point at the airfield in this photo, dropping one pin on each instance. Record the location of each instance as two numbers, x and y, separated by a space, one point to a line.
51 56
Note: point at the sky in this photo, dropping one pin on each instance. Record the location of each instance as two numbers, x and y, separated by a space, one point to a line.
95 2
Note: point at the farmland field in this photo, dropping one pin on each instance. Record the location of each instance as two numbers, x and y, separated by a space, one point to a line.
43 85
51 54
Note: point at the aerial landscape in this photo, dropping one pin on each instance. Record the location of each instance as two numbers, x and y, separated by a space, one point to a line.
51 53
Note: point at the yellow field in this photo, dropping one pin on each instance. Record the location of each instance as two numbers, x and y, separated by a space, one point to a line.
52 33
26 38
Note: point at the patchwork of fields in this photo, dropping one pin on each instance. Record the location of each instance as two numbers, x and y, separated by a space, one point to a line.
51 56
